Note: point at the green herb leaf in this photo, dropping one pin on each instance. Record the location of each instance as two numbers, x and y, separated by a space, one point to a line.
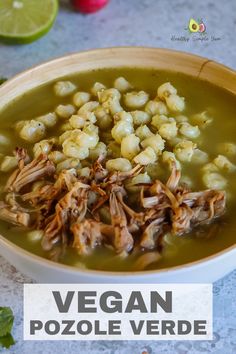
7 341
2 80
6 321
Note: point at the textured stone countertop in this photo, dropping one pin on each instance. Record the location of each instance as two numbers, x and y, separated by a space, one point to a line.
129 22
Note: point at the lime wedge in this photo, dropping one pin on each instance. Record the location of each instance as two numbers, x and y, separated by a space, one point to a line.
24 21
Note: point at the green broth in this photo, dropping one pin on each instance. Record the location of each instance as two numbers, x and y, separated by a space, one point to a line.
199 96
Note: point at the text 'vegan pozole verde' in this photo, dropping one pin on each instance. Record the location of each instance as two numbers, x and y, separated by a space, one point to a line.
124 169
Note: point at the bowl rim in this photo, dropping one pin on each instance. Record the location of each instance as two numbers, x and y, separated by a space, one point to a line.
91 272
70 268
72 55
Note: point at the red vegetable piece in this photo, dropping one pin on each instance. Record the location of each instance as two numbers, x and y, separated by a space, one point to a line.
89 6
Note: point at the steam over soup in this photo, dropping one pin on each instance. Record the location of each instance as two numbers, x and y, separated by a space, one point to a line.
124 169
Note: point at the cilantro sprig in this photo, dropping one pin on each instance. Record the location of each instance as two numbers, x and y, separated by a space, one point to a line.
2 80
6 323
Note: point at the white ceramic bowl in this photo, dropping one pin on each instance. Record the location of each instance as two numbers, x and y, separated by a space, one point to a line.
205 270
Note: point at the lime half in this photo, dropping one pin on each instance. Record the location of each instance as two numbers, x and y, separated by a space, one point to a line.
23 21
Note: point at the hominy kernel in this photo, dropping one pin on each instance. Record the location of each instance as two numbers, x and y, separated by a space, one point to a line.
168 130
175 103
158 120
156 107
65 111
97 87
132 187
199 157
35 235
213 180
227 148
119 164
143 132
64 88
122 85
189 131
166 90
146 157
8 163
224 164
32 131
80 98
136 99
120 130
98 151
184 150
155 142
49 119
130 146
140 117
